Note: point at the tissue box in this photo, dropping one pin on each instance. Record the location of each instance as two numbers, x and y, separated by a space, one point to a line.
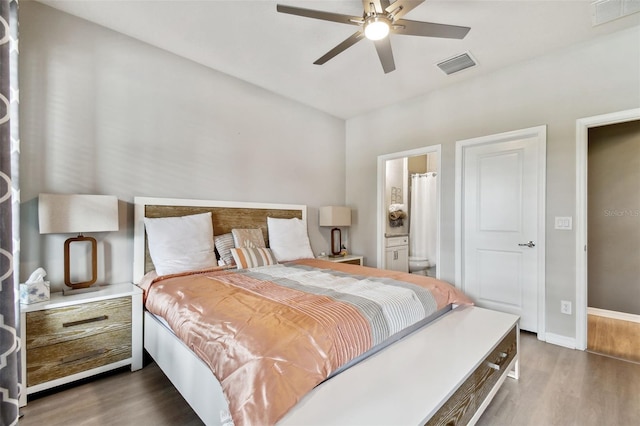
34 292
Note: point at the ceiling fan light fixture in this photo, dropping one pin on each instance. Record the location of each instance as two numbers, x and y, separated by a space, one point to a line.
376 28
378 20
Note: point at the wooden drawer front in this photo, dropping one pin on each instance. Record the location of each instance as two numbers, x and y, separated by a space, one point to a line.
51 326
52 362
352 262
68 340
461 407
494 365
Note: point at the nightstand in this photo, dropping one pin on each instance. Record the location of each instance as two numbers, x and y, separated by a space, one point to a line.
73 337
349 258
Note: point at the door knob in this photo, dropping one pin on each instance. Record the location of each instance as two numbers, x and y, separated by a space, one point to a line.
529 244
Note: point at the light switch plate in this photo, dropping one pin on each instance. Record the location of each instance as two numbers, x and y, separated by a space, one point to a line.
564 223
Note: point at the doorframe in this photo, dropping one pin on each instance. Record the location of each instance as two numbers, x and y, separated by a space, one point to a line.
382 159
582 148
540 133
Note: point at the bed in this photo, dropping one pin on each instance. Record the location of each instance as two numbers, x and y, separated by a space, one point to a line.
444 372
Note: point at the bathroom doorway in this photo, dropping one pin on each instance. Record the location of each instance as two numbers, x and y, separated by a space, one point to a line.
407 181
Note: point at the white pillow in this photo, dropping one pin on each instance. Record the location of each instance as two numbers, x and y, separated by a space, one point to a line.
180 244
288 239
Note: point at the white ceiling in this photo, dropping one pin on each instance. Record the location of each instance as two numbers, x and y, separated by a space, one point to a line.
251 41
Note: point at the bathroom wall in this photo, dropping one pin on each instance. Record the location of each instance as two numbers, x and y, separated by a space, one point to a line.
418 164
398 180
396 191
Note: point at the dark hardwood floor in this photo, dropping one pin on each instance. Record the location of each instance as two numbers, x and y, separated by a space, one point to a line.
557 386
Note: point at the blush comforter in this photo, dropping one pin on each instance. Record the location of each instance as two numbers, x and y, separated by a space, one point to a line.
273 333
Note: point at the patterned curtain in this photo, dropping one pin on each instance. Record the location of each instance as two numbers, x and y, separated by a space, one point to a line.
9 202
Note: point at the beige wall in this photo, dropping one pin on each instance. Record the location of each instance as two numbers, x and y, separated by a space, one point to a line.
614 217
104 113
418 164
556 89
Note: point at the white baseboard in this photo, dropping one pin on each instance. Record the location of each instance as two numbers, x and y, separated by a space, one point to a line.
623 316
556 339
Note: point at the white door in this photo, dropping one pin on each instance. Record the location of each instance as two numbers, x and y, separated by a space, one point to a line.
502 200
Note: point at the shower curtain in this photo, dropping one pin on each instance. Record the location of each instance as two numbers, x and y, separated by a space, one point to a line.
423 217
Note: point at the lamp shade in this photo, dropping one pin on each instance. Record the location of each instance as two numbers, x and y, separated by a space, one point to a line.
74 213
335 216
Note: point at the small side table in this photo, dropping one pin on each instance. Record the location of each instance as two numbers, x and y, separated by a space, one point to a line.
349 258
73 337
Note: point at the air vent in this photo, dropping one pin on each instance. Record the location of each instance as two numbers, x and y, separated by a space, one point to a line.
603 11
457 63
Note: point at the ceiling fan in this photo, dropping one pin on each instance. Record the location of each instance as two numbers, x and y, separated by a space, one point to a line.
379 19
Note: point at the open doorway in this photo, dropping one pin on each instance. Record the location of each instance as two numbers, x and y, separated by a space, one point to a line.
409 211
605 219
613 240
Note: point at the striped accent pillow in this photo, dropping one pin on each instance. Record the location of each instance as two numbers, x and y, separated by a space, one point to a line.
224 244
252 257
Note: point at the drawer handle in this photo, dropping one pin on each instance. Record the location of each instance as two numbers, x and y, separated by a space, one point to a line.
493 366
77 357
497 366
85 321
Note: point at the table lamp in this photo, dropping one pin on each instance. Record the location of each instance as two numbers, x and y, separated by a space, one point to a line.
75 213
335 216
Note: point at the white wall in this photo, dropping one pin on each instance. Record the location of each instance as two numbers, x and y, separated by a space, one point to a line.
103 113
556 89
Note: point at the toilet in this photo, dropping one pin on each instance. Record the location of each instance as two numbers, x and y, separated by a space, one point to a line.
418 265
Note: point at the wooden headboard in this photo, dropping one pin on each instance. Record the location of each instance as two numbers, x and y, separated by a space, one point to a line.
225 215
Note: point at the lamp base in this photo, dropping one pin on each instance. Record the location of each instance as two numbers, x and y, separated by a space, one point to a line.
67 262
336 243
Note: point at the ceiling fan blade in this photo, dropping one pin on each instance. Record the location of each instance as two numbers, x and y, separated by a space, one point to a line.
319 14
353 39
383 47
429 29
401 7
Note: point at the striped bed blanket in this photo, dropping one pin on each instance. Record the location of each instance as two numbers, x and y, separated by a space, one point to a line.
271 334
